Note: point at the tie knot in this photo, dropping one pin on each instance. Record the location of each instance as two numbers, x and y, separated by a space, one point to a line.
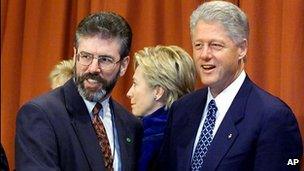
96 109
212 107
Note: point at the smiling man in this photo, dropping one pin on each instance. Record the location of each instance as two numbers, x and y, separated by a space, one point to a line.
232 124
78 126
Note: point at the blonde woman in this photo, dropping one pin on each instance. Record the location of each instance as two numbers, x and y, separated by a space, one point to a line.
162 75
61 73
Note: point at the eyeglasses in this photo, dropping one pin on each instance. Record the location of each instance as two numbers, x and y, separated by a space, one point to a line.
104 62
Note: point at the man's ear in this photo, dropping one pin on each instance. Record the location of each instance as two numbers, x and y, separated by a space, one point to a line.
243 48
158 93
124 65
75 52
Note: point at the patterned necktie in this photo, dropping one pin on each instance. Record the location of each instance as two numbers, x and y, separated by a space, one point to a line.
102 137
205 138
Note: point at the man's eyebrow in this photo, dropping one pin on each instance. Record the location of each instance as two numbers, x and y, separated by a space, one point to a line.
84 52
105 56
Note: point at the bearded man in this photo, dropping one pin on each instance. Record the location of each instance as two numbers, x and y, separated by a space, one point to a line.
78 126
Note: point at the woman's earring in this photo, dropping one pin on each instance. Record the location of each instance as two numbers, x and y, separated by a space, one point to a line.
155 98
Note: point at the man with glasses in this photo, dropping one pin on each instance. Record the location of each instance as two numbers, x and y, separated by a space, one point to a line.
78 126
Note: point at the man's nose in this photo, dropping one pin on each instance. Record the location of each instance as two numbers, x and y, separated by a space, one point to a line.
206 53
129 93
94 66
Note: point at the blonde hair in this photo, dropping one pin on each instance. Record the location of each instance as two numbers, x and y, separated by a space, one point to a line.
169 67
61 73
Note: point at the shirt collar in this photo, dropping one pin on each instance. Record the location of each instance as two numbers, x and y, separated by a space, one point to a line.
90 105
225 98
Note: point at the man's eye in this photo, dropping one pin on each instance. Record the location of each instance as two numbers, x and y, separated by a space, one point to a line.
106 60
85 56
216 46
198 45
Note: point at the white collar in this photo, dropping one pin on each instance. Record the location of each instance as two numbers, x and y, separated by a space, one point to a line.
90 105
225 98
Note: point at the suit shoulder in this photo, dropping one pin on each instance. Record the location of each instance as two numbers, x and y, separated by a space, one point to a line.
193 96
51 100
269 108
268 100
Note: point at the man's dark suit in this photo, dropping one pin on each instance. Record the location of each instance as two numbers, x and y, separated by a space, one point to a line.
258 132
55 132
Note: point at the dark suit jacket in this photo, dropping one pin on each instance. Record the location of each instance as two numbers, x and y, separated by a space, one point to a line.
3 159
54 132
258 132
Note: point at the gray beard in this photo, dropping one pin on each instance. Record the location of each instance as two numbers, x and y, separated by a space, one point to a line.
98 95
90 96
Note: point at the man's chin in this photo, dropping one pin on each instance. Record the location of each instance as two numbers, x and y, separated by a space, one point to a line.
93 90
96 97
93 95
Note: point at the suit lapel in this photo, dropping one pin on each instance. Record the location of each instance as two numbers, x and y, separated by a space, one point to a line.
122 135
224 138
189 127
227 132
81 122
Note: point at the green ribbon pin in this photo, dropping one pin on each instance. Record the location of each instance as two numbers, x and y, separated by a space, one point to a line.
128 140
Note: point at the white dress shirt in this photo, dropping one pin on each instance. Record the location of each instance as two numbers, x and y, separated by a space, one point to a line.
223 102
106 117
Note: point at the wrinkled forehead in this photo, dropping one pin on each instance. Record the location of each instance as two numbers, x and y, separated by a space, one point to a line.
209 28
98 42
